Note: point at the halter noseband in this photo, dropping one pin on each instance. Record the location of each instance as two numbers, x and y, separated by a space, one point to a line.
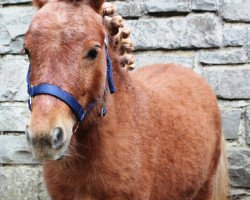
66 97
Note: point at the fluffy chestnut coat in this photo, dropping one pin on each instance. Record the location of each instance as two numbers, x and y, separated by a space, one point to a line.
161 140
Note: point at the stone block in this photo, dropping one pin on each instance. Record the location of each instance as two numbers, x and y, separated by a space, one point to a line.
153 57
10 46
238 157
16 19
239 170
164 6
233 103
17 45
14 22
14 150
14 1
229 82
231 123
235 10
239 194
248 126
129 9
22 182
207 5
13 71
248 52
5 39
248 36
225 56
234 35
193 31
240 177
13 116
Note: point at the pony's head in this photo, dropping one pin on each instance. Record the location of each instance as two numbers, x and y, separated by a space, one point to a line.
65 44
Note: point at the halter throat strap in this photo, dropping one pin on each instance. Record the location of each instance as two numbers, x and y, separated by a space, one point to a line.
65 96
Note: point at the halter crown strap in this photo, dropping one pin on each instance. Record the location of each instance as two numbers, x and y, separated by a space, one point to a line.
66 97
110 73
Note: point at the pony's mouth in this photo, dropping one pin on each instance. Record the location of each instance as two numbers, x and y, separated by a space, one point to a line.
49 154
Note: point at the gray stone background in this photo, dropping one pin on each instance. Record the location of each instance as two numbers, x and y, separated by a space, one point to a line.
210 36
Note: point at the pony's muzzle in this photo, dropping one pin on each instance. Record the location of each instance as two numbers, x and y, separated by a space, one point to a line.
47 144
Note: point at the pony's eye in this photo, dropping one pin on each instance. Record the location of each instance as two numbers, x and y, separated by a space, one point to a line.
92 54
27 51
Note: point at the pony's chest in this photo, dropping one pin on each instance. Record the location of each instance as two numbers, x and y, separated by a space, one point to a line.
88 179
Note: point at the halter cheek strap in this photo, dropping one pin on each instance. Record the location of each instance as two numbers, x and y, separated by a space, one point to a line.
66 97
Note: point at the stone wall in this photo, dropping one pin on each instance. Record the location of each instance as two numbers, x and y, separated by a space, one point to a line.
210 36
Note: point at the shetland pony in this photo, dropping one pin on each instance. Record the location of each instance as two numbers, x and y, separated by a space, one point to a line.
157 138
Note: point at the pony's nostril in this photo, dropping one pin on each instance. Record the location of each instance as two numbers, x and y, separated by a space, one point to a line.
28 136
57 138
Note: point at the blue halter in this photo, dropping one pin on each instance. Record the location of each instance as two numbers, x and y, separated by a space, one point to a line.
64 96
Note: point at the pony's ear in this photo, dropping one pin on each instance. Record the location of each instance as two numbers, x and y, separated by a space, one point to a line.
96 4
39 3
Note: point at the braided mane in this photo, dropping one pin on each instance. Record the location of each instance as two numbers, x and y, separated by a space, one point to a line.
119 35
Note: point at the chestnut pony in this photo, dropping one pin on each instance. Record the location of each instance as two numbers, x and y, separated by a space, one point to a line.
160 139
